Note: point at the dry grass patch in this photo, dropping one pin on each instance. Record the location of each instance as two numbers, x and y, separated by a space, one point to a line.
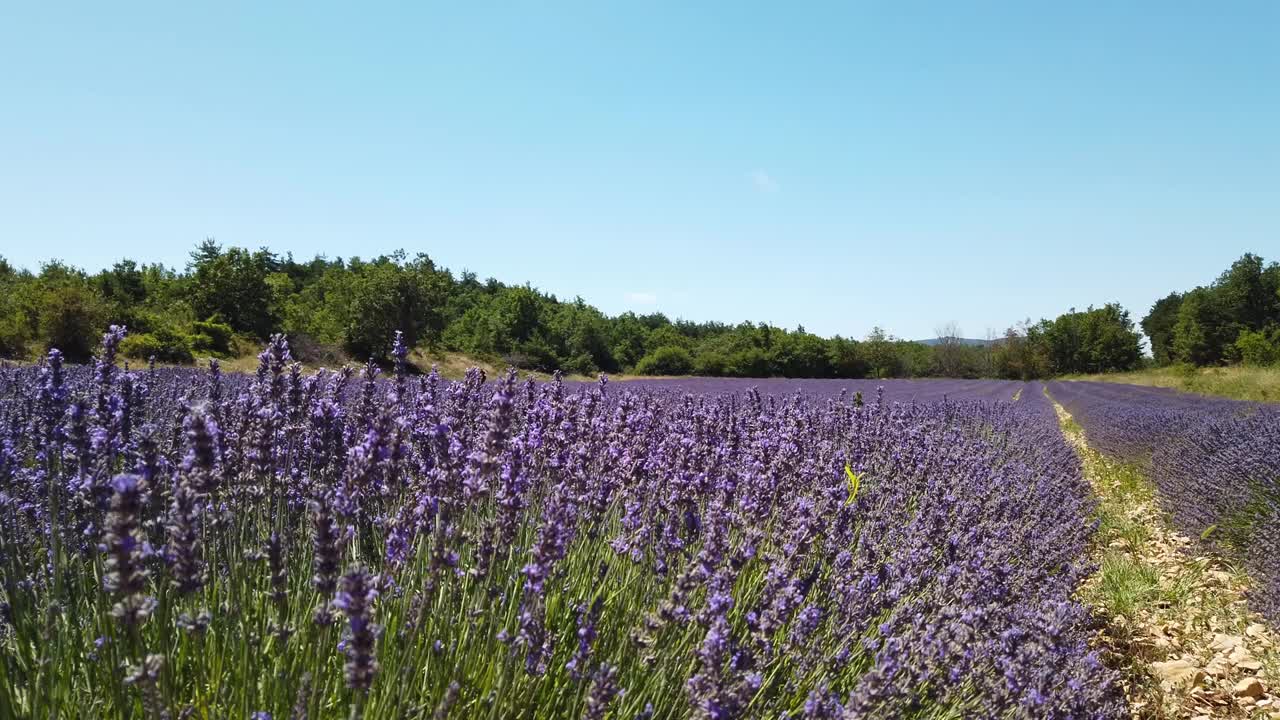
1260 384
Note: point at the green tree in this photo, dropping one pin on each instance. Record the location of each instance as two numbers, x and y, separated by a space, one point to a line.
123 284
628 337
1159 324
318 311
70 312
1259 347
914 359
15 325
846 358
1211 320
669 336
881 357
801 355
1200 335
579 333
1247 294
387 295
518 315
748 362
1017 356
233 284
165 345
1096 340
711 362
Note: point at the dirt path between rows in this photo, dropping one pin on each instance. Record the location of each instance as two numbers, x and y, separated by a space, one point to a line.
1176 620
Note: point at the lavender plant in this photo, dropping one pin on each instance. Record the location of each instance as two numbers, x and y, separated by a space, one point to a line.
199 544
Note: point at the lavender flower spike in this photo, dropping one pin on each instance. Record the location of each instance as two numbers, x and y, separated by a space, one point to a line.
355 600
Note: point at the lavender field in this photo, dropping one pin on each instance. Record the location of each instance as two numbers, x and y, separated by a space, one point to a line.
184 543
640 361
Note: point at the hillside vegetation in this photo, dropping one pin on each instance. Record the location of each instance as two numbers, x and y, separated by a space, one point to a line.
227 301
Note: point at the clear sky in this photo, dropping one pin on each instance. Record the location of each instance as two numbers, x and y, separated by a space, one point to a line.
836 165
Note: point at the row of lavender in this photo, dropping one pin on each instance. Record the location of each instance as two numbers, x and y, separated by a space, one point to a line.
893 390
176 543
1215 462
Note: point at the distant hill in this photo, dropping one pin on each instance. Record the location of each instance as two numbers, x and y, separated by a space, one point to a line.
975 342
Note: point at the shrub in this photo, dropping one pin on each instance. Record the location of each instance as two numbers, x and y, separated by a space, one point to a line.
70 318
582 364
164 344
211 336
749 362
201 343
13 337
534 354
1258 347
711 363
307 349
668 360
242 345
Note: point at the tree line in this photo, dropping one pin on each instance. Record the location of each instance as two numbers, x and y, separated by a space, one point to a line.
1234 319
227 300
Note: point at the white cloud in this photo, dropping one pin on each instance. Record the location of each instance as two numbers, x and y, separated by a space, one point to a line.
642 298
763 182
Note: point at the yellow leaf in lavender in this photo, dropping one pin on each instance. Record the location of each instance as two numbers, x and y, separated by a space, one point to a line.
854 482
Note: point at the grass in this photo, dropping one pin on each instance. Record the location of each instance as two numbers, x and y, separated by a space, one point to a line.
1127 583
1260 384
1115 519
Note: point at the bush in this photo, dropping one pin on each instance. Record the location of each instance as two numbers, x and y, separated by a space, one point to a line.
710 363
243 345
307 349
13 337
201 342
582 364
164 344
534 354
750 362
1258 347
211 336
668 360
70 318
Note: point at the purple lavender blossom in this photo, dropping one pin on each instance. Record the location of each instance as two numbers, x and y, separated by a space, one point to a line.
126 577
355 601
604 688
325 544
184 549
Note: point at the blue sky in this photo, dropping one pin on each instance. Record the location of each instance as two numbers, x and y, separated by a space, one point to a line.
834 165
